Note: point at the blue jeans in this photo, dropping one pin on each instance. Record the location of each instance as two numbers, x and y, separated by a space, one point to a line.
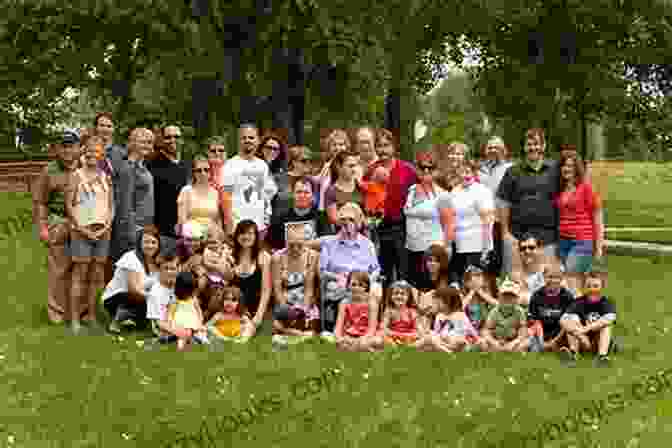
576 255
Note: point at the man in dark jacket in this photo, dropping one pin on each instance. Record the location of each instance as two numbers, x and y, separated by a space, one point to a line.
170 175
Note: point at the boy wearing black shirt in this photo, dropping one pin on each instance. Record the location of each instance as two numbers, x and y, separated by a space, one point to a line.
547 306
588 321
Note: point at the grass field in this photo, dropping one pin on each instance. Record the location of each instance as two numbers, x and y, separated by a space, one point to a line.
98 391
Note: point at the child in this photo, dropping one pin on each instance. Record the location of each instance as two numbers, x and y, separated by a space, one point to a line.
356 321
399 317
229 322
477 299
184 315
160 296
452 330
547 306
588 322
505 329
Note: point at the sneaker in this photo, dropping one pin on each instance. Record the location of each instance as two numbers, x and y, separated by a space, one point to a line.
602 361
568 357
76 327
128 324
114 327
615 346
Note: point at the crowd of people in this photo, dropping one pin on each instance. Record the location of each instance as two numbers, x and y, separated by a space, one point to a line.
454 251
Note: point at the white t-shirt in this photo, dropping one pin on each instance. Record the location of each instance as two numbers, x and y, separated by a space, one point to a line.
158 299
252 187
468 205
423 226
129 262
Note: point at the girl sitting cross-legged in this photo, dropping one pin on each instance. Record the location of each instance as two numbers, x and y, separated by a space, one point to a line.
452 331
357 318
400 315
229 321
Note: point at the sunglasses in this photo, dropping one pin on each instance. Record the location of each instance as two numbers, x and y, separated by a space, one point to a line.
201 170
303 160
271 148
427 168
218 151
526 248
170 137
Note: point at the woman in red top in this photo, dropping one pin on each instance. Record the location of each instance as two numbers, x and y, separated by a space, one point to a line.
581 221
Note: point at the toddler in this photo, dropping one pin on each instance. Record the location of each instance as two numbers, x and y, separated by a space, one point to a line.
452 331
160 296
476 300
505 329
229 322
185 316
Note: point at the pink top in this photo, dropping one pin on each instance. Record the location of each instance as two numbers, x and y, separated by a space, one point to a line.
356 319
576 210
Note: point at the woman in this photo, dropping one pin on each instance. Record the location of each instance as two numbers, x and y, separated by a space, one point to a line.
344 187
365 146
125 296
423 226
467 215
198 203
341 254
294 273
216 159
251 271
273 151
336 142
449 159
581 221
89 206
299 165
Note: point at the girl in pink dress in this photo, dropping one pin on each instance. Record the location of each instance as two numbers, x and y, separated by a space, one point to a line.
399 317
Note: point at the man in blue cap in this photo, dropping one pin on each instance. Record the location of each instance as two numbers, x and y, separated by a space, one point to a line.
52 225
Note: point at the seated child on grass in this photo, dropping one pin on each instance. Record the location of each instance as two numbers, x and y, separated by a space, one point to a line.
185 316
589 320
476 298
400 315
229 321
161 295
357 318
547 306
505 329
452 331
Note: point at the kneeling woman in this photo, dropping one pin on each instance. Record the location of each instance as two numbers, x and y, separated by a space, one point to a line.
125 297
294 285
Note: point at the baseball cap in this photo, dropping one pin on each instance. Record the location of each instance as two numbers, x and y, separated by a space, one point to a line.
70 136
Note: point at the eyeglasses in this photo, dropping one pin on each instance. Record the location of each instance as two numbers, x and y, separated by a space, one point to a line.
201 170
427 168
526 248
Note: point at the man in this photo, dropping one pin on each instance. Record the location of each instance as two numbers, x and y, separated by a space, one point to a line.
248 184
52 225
397 176
170 174
302 211
490 174
140 145
526 199
530 273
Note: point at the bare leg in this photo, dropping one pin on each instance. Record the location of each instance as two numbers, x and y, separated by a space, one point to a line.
604 339
77 291
96 282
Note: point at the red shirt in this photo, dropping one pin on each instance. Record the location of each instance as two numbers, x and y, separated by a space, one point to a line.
402 176
356 321
576 210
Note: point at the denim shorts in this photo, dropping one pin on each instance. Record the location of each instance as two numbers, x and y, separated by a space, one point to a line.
576 255
88 248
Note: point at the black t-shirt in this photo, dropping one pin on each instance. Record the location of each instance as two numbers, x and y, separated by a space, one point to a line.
531 195
278 230
169 178
590 312
549 310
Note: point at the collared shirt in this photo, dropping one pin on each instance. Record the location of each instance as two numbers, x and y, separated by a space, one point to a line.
338 255
491 173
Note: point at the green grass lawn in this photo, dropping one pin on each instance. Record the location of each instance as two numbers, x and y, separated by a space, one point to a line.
69 391
640 197
661 237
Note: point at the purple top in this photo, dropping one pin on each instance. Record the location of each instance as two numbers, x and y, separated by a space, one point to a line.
338 255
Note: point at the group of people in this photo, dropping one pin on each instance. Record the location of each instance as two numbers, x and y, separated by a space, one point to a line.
456 251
